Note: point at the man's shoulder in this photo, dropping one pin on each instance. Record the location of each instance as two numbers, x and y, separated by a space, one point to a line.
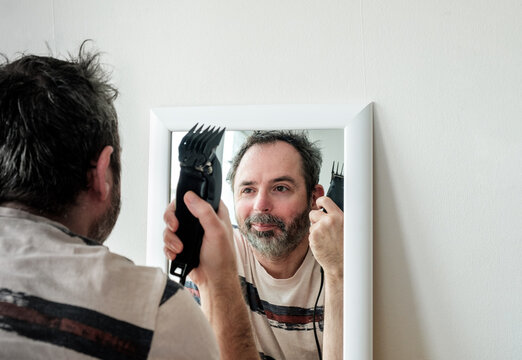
172 336
171 288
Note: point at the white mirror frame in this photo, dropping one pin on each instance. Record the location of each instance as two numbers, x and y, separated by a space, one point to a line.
357 121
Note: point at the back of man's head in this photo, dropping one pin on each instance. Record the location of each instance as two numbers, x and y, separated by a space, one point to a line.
56 116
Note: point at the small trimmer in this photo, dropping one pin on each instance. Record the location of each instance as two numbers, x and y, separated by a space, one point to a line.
336 189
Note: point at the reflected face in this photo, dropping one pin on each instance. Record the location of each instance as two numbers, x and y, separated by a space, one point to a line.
270 197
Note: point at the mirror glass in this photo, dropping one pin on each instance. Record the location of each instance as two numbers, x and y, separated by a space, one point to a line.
330 141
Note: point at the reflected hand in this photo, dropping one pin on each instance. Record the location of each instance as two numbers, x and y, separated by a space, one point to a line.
326 237
217 257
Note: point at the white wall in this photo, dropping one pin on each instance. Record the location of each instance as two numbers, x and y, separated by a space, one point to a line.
446 78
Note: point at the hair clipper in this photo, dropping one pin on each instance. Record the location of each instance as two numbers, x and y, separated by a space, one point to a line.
201 173
336 189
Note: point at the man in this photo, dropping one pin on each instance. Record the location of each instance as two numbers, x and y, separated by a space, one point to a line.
62 293
283 241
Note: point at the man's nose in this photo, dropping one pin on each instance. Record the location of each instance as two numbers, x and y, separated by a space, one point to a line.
262 202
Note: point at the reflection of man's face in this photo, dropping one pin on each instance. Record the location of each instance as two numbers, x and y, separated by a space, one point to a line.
271 200
103 226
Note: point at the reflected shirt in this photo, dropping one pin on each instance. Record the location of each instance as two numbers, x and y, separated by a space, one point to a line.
281 310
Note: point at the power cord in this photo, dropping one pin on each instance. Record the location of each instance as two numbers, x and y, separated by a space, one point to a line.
315 310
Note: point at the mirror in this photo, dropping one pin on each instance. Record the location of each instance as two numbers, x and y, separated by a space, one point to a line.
355 120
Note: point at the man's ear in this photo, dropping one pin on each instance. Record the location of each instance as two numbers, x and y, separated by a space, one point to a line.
317 192
101 176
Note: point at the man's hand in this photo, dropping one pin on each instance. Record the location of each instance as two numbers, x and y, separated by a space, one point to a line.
326 236
217 257
216 277
326 242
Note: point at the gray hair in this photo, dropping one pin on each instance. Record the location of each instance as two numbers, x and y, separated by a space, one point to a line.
56 116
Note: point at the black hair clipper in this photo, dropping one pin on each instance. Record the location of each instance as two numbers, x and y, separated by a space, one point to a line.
201 173
336 189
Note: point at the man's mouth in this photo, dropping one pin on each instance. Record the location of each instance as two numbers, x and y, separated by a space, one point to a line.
264 223
264 227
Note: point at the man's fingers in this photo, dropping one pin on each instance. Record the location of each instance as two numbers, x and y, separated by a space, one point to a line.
328 204
223 213
316 215
172 242
201 210
169 254
170 218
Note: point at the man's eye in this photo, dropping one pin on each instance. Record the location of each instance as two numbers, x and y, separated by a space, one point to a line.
281 188
247 191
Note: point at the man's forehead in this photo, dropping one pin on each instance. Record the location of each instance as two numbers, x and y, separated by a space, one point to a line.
281 149
278 160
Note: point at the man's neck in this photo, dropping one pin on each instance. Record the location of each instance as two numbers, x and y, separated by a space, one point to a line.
284 267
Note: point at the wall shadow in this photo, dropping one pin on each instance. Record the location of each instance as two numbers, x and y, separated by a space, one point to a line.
397 330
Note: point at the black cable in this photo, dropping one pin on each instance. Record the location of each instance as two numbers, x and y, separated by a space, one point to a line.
315 309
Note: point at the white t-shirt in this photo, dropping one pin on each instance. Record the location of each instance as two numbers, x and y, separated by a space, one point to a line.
63 297
281 310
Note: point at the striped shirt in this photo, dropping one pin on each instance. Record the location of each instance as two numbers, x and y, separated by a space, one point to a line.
63 296
281 310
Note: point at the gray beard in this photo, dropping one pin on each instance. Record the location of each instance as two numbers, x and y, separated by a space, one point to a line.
270 244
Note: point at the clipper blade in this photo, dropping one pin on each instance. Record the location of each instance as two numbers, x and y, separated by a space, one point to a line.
198 146
336 189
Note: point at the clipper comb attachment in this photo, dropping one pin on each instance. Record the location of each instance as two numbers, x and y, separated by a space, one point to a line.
336 189
201 173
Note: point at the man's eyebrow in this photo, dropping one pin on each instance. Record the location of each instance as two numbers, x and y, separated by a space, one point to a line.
278 179
247 183
285 178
